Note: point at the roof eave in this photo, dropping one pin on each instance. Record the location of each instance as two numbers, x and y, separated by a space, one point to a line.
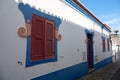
80 5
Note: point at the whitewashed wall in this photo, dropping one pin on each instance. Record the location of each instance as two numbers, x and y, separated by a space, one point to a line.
99 33
12 47
115 48
71 49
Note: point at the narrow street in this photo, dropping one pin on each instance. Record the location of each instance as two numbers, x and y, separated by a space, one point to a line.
110 72
116 76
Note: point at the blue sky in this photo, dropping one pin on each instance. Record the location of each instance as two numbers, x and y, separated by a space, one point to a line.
108 11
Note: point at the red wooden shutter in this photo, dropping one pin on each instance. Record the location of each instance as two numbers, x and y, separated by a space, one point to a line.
37 38
103 40
49 39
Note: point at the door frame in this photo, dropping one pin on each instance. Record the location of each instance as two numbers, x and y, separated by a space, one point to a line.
91 34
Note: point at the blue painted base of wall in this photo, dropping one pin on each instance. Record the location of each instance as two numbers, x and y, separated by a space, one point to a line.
73 72
70 73
103 63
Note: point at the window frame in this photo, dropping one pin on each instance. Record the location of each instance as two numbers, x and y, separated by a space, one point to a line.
103 44
108 45
27 12
46 60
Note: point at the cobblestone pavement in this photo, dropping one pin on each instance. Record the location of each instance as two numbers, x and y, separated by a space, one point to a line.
110 72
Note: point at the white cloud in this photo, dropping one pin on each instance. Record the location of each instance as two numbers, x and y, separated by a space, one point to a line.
108 16
113 21
114 24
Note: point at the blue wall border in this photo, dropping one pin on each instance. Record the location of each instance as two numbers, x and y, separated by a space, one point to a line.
75 6
73 72
103 63
27 12
70 73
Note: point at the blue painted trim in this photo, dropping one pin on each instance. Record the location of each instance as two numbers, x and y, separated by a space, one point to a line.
74 5
27 12
89 32
103 63
91 45
69 73
103 37
108 39
73 72
105 29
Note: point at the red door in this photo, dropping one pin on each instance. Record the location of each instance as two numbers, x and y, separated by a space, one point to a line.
90 51
89 58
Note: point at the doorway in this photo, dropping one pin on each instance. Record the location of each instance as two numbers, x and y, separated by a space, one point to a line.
90 51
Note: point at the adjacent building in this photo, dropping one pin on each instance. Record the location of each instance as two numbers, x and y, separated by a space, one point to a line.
115 39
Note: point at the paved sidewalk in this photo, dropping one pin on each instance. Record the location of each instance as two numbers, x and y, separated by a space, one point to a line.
110 72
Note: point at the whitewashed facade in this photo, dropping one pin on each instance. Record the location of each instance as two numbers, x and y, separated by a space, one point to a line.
115 39
74 26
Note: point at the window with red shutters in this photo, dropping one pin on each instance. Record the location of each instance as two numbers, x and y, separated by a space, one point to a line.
42 38
103 44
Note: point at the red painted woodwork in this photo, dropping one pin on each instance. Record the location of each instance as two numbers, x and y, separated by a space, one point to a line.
89 59
37 38
42 38
103 43
49 39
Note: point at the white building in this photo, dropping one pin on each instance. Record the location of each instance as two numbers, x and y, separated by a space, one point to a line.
115 38
50 40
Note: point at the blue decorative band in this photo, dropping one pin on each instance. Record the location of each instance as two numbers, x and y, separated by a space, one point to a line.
90 32
103 63
73 72
74 5
70 73
28 11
